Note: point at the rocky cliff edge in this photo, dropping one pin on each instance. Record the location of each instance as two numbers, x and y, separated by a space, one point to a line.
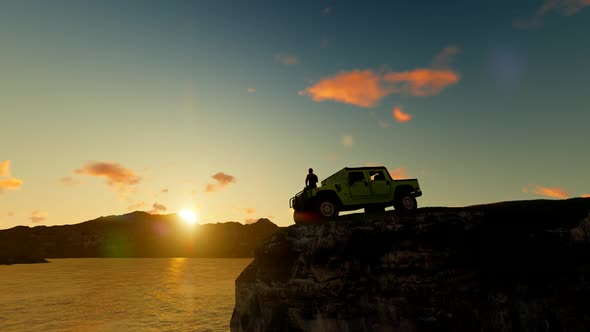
510 266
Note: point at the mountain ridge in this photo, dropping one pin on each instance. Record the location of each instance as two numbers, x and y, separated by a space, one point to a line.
136 213
136 234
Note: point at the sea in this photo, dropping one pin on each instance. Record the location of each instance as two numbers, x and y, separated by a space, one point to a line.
119 294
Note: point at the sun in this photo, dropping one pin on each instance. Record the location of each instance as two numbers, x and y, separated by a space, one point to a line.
188 216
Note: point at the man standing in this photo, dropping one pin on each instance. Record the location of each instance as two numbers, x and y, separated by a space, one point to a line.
311 180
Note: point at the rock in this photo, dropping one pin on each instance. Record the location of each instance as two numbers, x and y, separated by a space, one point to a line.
4 260
511 266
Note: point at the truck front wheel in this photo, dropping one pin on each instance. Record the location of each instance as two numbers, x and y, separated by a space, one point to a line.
328 208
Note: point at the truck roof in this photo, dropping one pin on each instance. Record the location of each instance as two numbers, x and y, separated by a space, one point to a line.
362 168
346 169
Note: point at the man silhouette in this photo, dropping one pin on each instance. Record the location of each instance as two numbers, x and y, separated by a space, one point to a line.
311 180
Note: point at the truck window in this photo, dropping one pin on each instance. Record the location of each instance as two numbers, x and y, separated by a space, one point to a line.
377 176
356 177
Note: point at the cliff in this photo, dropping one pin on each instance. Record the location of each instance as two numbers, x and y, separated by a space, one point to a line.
511 266
137 234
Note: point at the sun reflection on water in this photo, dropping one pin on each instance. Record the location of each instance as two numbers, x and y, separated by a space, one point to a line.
176 266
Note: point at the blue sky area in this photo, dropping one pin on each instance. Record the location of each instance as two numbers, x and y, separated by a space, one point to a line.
222 106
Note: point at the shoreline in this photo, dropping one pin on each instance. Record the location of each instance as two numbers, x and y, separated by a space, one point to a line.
11 260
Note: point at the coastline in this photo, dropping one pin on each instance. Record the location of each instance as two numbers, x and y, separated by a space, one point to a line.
11 260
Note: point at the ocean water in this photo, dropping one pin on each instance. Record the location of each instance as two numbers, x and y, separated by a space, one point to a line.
119 294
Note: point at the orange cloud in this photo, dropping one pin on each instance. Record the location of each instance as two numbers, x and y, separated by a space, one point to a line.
5 168
358 87
222 181
116 175
286 59
585 195
223 178
365 88
546 191
70 181
164 191
157 208
400 116
38 216
398 173
9 183
564 7
250 210
251 90
423 81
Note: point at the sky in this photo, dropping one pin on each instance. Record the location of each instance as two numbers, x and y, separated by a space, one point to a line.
108 107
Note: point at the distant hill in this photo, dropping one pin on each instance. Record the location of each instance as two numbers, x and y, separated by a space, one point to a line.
137 234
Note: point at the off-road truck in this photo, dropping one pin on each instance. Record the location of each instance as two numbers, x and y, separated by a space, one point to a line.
353 188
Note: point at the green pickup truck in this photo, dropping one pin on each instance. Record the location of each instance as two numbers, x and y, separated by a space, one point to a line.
353 188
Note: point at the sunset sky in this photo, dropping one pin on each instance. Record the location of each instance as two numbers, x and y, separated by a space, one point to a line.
113 106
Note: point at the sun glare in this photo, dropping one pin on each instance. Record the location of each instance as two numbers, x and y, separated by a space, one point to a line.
188 216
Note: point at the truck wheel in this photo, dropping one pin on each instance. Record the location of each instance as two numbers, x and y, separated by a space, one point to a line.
328 208
406 202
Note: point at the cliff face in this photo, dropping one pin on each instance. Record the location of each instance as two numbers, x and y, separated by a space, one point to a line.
136 234
512 266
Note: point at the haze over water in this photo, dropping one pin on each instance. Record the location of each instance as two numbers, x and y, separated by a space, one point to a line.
120 294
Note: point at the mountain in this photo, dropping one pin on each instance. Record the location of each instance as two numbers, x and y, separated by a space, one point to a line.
137 234
510 266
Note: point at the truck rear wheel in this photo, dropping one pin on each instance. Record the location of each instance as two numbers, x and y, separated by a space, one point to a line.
406 202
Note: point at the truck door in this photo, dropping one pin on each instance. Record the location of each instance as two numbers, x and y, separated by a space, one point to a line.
380 184
359 187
